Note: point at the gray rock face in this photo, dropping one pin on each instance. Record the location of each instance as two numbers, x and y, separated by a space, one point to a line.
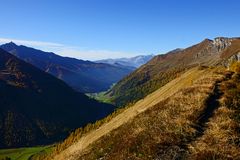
215 47
221 43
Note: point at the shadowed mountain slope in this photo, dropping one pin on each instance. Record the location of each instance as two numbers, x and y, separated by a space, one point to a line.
37 108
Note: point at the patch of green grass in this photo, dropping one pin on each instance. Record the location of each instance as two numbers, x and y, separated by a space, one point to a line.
23 153
101 96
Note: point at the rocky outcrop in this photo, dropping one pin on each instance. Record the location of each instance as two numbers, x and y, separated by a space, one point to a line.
214 47
221 43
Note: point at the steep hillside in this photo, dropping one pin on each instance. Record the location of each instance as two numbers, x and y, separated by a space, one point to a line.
134 62
37 108
84 76
199 120
126 116
164 68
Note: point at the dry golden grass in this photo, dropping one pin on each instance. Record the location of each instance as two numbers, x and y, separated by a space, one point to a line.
163 131
219 140
167 91
168 124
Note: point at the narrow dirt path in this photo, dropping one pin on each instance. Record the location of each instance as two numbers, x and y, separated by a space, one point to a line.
212 104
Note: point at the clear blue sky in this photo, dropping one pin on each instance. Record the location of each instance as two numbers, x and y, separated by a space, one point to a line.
95 29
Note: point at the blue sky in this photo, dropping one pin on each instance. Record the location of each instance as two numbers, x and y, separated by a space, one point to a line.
96 29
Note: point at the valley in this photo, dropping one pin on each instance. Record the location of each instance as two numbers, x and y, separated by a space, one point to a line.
120 80
183 92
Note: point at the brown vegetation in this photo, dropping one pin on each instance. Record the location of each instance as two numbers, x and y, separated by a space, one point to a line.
197 122
162 132
166 91
221 140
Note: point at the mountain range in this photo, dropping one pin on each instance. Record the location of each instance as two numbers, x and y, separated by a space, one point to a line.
175 102
83 76
37 108
133 62
163 68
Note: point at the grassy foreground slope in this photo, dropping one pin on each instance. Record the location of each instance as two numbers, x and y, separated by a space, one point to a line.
192 124
221 139
126 116
196 116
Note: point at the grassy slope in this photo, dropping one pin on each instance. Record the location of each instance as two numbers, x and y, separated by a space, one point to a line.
142 105
221 140
23 153
163 131
198 122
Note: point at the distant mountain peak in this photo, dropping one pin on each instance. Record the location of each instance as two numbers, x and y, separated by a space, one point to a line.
10 44
135 62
